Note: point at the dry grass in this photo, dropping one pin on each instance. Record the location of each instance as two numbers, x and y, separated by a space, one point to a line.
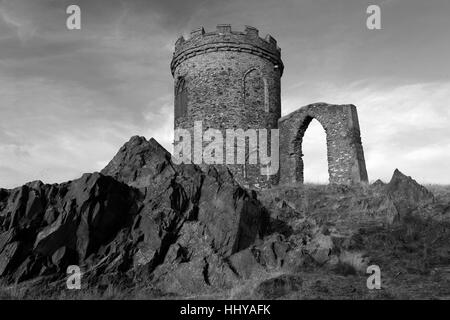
438 189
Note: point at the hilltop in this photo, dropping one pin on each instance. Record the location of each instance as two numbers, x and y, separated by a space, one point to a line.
144 227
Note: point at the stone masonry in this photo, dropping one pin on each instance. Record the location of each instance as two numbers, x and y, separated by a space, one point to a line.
228 80
231 80
346 164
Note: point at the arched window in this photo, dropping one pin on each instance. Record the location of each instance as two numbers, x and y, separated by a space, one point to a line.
180 98
256 92
313 152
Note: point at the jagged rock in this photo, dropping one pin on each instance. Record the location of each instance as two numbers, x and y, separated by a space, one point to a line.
79 216
266 256
406 193
142 214
233 217
245 264
96 208
192 265
379 184
32 266
271 253
63 257
140 163
296 259
7 237
279 286
320 248
24 206
8 256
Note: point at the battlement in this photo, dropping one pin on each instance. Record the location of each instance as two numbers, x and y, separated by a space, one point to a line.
226 39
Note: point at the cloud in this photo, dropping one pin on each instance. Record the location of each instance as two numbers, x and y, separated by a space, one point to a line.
71 99
16 23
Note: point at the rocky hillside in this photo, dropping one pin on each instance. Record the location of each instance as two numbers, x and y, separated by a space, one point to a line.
144 227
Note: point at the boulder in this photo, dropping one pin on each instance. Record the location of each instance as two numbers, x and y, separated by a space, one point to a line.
140 163
406 193
232 216
245 264
319 248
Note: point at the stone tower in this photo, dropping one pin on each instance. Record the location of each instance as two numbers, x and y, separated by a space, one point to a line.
228 80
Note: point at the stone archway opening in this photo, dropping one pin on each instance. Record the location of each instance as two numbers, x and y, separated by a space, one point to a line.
346 164
315 154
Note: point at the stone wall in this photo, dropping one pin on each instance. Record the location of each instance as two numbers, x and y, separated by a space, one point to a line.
231 80
346 164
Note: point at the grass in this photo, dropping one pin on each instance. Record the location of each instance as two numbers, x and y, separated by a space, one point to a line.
438 190
12 293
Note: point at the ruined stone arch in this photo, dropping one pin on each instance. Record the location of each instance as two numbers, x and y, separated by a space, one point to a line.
346 164
255 90
181 98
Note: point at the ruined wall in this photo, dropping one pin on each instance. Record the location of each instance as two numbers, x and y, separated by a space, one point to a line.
346 164
231 80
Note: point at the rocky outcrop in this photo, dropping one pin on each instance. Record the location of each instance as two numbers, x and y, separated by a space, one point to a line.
146 223
44 228
406 193
139 214
141 163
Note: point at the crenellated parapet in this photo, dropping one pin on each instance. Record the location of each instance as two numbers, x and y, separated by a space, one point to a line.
226 39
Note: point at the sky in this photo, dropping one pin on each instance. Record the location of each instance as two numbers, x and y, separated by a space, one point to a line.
69 99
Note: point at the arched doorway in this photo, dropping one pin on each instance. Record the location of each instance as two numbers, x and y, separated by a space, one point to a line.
299 148
315 157
346 164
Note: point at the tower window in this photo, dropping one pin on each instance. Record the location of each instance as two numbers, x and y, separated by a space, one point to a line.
256 93
180 98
